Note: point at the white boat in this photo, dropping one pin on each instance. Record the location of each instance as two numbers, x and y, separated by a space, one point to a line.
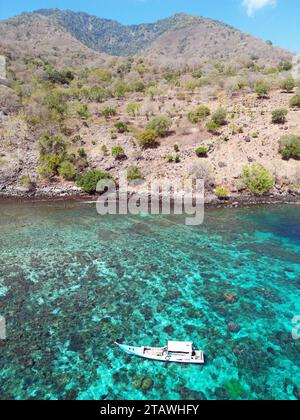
175 351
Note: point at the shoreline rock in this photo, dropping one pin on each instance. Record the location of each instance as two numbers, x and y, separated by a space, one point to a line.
59 192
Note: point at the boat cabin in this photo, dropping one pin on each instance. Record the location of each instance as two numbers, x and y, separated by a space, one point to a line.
180 347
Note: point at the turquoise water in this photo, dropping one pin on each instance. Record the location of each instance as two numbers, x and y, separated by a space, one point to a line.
72 282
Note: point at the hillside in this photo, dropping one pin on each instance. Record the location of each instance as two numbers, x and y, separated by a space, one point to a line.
34 35
66 110
180 36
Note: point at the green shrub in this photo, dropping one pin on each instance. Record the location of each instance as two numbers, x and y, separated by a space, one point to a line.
121 127
103 75
202 151
169 158
67 170
176 148
133 108
52 145
120 89
279 116
197 74
262 89
289 147
134 173
288 85
88 180
52 162
44 172
63 76
177 159
55 103
170 76
97 94
199 114
222 193
285 66
147 138
161 125
76 139
83 111
82 153
212 127
257 179
118 152
108 112
192 85
104 150
138 86
26 182
295 101
220 117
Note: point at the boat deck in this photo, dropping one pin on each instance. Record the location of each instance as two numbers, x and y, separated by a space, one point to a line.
159 352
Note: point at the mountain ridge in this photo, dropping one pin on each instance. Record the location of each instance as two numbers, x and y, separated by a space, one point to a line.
114 38
111 36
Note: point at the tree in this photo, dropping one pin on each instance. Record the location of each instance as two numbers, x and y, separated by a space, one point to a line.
279 116
88 180
161 125
289 147
288 84
257 179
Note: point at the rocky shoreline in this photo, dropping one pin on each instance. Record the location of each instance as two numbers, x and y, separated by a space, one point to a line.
73 193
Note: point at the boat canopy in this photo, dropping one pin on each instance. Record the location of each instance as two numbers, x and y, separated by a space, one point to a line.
180 347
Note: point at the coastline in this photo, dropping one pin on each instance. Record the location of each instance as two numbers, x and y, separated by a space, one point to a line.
63 193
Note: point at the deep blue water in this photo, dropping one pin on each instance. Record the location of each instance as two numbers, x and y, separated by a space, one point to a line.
72 282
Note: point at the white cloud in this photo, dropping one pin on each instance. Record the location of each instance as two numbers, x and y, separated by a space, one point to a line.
254 5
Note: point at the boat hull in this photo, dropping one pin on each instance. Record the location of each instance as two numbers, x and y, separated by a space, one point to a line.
161 355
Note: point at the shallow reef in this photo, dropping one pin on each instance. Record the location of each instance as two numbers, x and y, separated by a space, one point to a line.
73 282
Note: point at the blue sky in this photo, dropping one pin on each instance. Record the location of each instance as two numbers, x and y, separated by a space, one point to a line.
278 20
